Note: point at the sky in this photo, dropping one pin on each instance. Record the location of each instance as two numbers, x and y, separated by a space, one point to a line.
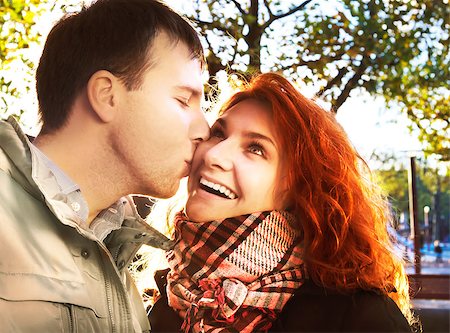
372 126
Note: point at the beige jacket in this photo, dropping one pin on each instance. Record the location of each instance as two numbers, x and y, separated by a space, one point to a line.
55 276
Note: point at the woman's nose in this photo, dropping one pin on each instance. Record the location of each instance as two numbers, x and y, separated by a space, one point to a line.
220 156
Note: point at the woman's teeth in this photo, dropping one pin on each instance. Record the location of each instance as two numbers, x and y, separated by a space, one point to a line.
223 191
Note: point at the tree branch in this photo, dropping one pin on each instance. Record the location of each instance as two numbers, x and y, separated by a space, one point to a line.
266 3
328 59
239 7
235 53
349 86
213 62
292 11
207 42
334 81
211 25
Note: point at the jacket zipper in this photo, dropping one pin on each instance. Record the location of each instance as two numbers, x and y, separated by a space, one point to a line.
70 317
108 296
114 257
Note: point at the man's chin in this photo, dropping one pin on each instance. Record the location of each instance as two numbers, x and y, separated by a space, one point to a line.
164 193
169 194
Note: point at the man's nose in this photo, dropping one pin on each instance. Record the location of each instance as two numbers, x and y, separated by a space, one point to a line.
201 129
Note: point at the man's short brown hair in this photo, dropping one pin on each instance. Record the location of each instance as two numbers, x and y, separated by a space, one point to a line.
112 35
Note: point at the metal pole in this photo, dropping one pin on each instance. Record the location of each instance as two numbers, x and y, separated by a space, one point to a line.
415 230
426 211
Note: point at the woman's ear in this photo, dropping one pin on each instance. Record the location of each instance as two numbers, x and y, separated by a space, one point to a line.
286 200
101 92
284 195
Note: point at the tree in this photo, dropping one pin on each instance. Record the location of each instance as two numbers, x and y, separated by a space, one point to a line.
433 189
397 49
438 184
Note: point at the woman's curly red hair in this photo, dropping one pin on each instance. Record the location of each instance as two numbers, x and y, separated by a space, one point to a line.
342 215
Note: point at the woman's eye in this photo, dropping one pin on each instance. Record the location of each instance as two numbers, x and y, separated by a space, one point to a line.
217 133
256 149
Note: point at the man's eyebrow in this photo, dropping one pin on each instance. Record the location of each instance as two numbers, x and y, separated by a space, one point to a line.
248 134
193 90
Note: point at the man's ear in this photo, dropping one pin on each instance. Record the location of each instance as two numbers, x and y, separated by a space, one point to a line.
102 94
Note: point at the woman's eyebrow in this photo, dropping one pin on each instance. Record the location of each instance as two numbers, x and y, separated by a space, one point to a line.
222 122
258 136
248 134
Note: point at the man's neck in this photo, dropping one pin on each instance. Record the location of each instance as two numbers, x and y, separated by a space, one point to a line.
83 161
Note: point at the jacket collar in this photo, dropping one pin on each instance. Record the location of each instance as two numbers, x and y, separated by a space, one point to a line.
15 145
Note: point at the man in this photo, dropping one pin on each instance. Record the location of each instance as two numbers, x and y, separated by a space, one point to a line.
119 88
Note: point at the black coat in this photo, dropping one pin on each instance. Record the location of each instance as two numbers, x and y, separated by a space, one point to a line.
311 309
315 309
161 316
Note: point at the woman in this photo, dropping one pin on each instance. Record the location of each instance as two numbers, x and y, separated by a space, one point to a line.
320 235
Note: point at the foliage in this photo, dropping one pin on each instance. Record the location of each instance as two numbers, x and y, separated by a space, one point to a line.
433 187
17 21
21 41
393 181
398 49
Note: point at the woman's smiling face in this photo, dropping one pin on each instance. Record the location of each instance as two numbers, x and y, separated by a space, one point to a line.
238 170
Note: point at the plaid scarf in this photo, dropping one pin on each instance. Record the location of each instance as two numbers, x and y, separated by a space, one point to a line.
236 274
